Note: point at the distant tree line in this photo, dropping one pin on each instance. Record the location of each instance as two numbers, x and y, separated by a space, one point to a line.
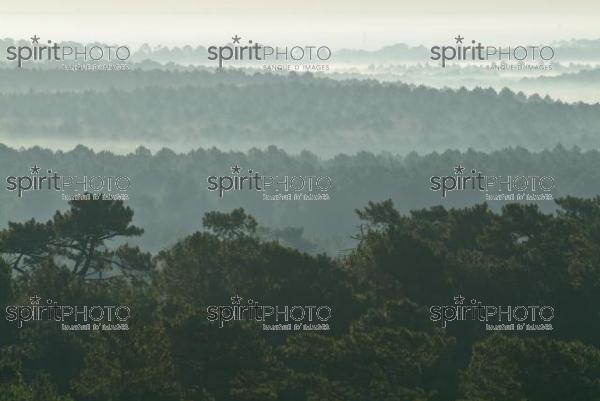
296 112
167 187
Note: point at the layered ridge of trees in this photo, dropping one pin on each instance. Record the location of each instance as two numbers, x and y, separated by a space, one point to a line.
328 116
167 188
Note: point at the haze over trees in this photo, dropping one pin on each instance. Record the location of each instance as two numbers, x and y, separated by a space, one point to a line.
232 110
169 189
380 252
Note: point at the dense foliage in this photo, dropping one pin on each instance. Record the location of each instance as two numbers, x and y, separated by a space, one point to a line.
382 345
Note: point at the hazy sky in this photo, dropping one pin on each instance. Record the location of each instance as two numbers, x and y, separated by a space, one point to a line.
338 23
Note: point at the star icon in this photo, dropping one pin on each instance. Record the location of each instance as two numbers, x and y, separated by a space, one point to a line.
458 300
35 300
35 40
35 169
236 39
459 169
235 300
235 169
458 39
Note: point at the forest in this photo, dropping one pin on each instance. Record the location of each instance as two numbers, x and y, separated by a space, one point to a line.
382 345
296 112
170 193
417 281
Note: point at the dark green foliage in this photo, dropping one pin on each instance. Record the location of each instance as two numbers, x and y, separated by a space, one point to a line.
382 344
78 236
